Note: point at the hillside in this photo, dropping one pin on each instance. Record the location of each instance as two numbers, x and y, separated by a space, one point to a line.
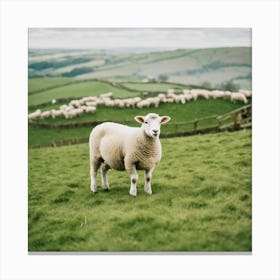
201 200
193 66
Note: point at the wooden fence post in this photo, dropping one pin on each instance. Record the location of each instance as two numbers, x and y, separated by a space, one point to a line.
195 124
237 117
219 122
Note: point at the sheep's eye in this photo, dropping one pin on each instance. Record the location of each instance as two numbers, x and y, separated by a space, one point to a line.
146 122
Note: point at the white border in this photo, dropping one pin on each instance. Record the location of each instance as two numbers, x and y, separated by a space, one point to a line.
262 16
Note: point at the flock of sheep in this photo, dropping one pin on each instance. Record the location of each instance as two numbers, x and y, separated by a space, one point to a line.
89 104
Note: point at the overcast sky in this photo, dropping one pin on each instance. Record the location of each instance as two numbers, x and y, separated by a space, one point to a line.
105 38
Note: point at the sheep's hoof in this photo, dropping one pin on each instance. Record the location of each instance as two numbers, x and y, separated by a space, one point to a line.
148 191
106 188
93 190
133 193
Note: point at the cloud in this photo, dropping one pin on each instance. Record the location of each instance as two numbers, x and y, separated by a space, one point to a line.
96 38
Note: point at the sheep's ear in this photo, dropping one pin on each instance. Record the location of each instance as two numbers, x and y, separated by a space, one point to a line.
165 119
139 119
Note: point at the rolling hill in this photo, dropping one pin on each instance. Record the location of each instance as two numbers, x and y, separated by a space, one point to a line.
188 66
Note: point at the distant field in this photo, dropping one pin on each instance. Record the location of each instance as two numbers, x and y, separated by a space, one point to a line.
86 88
153 86
178 112
38 84
181 65
201 200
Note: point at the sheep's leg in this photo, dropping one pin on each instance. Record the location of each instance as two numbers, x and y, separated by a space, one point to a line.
104 170
148 177
94 166
133 178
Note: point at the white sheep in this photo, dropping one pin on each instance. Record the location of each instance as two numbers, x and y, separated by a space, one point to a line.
35 115
247 93
109 94
238 96
56 113
90 109
120 147
143 103
75 103
45 114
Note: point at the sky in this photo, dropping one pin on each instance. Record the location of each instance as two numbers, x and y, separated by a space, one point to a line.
165 38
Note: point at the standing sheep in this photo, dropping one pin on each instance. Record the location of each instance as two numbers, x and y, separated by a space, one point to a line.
121 147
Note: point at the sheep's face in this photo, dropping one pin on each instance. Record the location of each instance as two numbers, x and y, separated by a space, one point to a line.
151 123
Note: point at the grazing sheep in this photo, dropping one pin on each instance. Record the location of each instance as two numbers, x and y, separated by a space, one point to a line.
238 96
45 114
109 94
247 93
121 147
35 115
90 109
75 103
143 103
217 94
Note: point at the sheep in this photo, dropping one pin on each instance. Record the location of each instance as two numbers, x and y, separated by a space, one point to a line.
56 113
238 96
75 103
91 103
227 94
161 96
46 114
216 94
247 93
90 109
120 147
35 115
143 103
63 107
109 94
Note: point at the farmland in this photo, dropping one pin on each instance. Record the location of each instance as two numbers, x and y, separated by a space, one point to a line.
43 90
178 113
75 90
201 200
202 188
187 66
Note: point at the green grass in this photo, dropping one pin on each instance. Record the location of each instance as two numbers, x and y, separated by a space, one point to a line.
153 86
178 113
201 200
78 90
38 84
43 136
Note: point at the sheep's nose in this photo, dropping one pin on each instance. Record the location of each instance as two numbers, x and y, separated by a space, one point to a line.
155 130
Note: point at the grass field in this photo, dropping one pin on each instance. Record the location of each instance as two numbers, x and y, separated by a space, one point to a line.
153 86
177 64
78 90
201 200
39 84
178 113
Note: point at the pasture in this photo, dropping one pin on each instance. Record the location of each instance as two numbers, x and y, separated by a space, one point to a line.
76 90
178 112
202 200
193 66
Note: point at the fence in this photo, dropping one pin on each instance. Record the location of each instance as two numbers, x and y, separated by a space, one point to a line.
235 120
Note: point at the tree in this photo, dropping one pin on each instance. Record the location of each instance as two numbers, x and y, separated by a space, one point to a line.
162 78
229 85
